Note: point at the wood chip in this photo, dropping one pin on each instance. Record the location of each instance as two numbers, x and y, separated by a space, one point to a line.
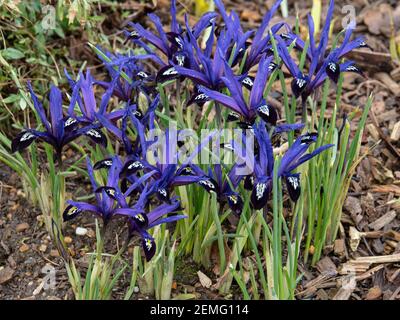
395 135
6 274
391 258
326 266
386 189
339 247
373 293
344 293
23 248
393 86
383 221
370 272
204 280
21 227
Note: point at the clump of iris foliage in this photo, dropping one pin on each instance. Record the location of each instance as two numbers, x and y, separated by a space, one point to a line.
211 75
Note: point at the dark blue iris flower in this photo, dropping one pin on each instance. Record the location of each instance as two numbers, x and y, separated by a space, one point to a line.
223 186
236 102
139 79
322 64
59 130
260 181
175 44
111 202
154 217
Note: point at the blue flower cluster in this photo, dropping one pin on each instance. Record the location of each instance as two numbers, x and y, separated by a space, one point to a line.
213 58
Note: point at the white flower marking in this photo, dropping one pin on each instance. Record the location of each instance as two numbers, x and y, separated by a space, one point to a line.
135 164
163 192
248 81
148 244
94 133
170 71
179 42
27 136
142 74
234 199
294 182
201 96
207 183
181 60
300 82
260 189
332 66
264 109
69 121
107 163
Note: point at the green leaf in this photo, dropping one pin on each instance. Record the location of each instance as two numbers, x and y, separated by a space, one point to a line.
12 54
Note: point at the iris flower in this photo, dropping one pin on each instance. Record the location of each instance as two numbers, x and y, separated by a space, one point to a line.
322 64
141 81
175 45
260 182
236 102
110 200
87 102
59 130
155 217
215 181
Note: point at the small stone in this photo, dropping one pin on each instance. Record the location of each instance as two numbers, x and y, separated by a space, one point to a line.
43 248
136 289
81 231
21 227
24 248
6 274
67 240
91 233
374 293
54 253
339 247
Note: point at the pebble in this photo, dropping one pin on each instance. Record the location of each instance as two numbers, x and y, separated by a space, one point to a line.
43 248
21 227
24 248
54 253
136 289
81 231
67 240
